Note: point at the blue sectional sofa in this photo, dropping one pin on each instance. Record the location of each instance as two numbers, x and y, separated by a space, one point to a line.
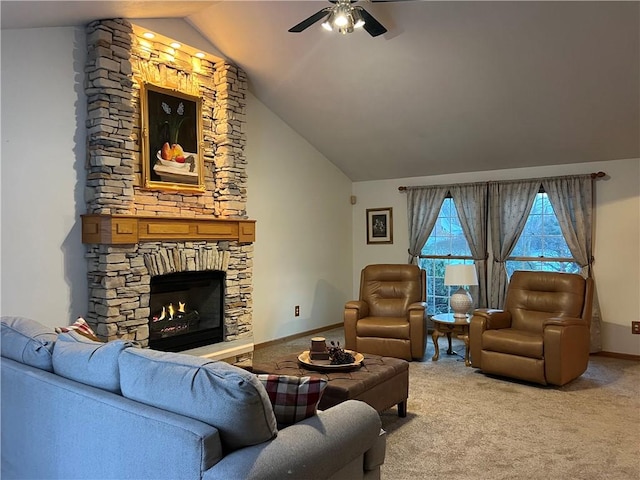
73 408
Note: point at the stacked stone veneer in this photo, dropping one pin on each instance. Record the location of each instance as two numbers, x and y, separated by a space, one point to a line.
118 61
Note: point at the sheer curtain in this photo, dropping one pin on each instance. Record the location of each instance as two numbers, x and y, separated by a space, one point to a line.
509 207
572 200
423 206
471 203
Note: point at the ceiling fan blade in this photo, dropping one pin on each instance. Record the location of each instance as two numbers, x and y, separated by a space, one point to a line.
310 21
371 25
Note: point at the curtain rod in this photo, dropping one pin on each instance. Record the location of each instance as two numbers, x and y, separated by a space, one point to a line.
594 175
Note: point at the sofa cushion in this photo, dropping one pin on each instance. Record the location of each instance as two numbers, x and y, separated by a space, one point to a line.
293 398
81 326
27 341
224 396
85 361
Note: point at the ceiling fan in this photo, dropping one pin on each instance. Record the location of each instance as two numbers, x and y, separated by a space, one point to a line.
344 16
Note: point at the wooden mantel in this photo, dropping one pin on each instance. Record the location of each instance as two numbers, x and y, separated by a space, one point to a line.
132 229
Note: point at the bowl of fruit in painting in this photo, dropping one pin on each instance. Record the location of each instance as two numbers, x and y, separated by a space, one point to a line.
172 156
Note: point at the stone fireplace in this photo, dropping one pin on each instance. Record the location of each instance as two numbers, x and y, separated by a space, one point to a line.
135 237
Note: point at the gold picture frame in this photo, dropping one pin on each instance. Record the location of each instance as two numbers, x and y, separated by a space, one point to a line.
380 225
171 140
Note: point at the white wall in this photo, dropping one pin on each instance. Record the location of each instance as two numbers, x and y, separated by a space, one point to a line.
43 177
616 245
303 240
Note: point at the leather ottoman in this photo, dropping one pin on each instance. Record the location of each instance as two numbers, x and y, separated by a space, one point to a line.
382 382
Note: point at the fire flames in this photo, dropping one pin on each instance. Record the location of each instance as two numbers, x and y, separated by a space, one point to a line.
170 310
171 321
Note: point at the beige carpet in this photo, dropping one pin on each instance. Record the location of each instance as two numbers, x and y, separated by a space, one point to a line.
463 424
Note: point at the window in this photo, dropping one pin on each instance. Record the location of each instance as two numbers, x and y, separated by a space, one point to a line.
541 245
445 245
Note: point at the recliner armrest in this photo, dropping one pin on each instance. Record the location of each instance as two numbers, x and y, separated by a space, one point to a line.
416 315
494 318
418 306
360 306
484 319
565 321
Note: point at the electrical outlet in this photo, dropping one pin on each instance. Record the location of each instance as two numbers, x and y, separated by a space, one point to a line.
297 311
635 328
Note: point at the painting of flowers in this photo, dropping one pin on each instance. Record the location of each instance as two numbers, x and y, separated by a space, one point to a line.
171 140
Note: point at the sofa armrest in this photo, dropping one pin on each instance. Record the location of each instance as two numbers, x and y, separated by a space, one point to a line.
374 457
316 447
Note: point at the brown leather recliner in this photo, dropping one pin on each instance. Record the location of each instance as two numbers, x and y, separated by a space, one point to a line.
389 319
542 335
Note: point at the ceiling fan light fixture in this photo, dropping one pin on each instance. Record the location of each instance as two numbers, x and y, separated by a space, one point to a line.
341 18
345 30
344 18
358 21
328 23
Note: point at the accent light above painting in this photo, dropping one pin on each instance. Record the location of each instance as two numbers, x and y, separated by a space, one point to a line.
169 46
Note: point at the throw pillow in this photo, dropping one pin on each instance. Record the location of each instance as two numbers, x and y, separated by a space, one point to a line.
27 341
81 326
293 398
217 393
93 363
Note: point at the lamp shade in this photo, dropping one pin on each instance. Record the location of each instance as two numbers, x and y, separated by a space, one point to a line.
460 275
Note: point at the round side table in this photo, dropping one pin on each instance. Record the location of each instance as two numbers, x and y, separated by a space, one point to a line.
446 324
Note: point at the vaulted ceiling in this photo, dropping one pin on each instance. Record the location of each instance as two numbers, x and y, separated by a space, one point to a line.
451 87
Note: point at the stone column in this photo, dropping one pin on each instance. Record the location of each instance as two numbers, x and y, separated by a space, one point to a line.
110 149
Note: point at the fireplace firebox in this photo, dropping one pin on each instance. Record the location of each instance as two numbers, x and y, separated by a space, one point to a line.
187 310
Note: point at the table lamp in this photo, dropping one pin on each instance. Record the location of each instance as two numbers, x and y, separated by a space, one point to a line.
460 275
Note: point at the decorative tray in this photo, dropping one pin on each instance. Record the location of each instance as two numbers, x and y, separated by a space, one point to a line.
325 365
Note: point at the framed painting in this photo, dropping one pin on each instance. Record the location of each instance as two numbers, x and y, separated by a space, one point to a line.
171 140
380 225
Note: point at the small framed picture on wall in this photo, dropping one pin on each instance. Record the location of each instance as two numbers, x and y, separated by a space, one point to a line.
380 225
